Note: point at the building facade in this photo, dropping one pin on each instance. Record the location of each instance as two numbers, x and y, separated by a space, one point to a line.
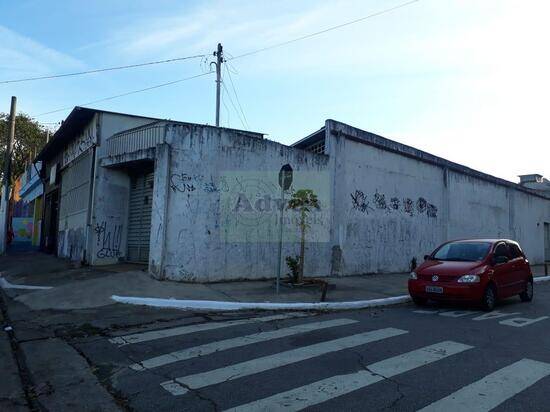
27 212
74 182
203 203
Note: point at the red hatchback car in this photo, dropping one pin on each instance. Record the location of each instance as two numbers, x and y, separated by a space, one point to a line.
477 270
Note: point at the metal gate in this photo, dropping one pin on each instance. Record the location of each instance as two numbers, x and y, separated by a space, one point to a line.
139 220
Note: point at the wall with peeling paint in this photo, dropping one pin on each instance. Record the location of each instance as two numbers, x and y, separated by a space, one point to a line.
394 203
109 220
96 234
217 203
200 233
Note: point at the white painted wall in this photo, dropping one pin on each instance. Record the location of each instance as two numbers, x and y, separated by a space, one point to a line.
376 237
200 242
99 235
109 221
381 205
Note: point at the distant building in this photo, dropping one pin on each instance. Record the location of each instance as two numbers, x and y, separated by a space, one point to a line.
74 183
536 182
27 217
203 203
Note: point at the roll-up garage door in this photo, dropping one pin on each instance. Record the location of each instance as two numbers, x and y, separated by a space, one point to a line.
139 224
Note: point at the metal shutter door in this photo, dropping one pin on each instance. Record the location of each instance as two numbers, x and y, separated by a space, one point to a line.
139 220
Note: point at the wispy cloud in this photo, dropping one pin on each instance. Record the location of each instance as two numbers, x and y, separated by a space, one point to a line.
22 56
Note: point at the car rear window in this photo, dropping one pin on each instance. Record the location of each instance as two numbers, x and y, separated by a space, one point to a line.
463 251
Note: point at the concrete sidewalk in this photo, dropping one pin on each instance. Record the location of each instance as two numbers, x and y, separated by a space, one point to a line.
12 394
92 287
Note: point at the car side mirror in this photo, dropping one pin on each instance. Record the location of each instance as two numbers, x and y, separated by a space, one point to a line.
427 257
498 260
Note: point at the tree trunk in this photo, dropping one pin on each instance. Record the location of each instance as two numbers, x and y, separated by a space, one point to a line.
302 247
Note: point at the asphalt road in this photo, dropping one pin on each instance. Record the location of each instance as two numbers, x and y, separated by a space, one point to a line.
439 358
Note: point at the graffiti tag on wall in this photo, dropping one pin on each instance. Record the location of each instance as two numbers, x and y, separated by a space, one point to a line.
420 206
187 183
108 240
82 143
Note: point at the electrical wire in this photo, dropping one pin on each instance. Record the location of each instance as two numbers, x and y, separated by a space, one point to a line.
236 96
233 104
128 93
228 118
307 36
130 66
339 26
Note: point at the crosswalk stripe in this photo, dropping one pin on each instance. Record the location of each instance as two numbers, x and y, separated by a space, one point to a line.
226 344
326 389
179 386
184 330
492 390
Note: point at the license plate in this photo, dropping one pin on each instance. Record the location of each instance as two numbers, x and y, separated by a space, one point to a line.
434 289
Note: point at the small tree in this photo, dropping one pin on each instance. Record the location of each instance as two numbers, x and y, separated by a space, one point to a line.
30 137
303 200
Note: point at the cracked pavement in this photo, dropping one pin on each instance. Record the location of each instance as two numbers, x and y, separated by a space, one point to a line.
73 365
494 346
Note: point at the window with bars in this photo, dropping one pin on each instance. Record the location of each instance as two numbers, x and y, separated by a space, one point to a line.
317 147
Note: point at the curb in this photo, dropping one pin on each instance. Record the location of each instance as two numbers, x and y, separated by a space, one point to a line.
212 305
4 284
538 279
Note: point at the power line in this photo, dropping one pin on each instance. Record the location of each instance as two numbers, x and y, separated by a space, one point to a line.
130 66
127 93
307 36
233 104
228 119
236 96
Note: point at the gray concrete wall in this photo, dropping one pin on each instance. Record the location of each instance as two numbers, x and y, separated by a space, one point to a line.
97 233
109 220
394 203
208 234
76 168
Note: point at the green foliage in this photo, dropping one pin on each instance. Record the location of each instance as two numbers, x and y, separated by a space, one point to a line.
293 264
303 200
30 137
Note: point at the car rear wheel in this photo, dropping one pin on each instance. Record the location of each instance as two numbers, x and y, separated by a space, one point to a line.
527 296
489 299
419 301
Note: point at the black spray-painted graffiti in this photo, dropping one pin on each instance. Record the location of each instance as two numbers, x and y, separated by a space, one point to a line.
79 145
359 202
380 201
182 182
394 203
108 240
186 183
407 205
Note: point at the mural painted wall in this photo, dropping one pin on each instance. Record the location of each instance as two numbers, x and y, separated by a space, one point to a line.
22 229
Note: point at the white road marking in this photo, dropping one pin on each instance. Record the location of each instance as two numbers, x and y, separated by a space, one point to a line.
495 315
492 390
426 312
458 313
239 370
326 389
184 330
226 344
521 322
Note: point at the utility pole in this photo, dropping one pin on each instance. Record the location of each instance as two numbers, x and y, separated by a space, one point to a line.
219 55
4 206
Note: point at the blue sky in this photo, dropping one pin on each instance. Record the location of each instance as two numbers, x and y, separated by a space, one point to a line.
466 80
